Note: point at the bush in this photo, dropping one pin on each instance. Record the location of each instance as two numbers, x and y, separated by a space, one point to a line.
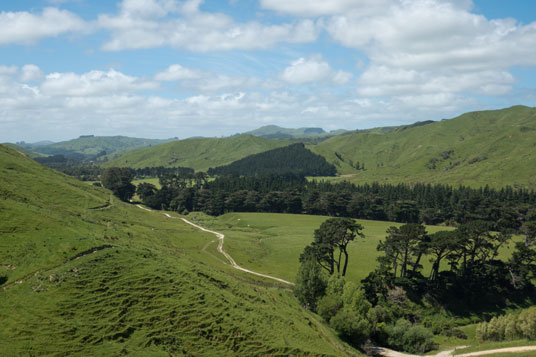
328 306
351 326
310 284
409 338
526 323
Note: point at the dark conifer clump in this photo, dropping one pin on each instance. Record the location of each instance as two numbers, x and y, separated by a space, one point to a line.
293 159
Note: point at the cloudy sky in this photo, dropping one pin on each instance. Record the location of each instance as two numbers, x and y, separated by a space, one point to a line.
165 68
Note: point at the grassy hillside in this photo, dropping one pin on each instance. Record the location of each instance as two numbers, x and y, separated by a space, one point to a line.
27 152
83 274
93 145
489 147
199 154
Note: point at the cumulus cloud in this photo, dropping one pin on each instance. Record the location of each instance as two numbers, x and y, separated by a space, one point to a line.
31 73
93 83
323 7
152 23
27 28
176 72
313 69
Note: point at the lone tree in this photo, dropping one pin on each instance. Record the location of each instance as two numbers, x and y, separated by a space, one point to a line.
334 233
118 180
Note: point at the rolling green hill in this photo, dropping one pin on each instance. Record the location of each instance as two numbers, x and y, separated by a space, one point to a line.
83 274
27 152
199 154
94 145
489 147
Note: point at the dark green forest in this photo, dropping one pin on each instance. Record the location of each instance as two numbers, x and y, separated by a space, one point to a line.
293 159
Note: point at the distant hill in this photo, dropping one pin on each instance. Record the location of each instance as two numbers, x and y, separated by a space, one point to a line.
93 146
293 159
494 147
199 154
84 274
27 152
277 132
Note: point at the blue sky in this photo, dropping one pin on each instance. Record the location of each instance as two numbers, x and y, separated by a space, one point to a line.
166 68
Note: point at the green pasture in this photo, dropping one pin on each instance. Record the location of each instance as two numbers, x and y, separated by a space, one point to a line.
271 243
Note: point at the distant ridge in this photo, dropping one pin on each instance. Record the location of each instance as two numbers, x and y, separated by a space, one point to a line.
199 154
277 132
92 146
494 147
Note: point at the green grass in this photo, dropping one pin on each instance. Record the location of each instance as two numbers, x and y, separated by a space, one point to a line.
497 345
271 243
152 180
160 289
199 154
503 141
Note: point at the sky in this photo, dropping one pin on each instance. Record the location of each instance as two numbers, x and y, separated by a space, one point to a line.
182 68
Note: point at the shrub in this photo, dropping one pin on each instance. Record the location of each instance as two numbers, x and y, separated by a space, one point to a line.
526 323
310 284
328 306
350 326
410 338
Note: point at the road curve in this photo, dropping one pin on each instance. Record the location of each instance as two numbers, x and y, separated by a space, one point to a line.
221 238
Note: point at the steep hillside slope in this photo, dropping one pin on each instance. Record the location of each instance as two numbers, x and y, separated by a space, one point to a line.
95 145
488 147
199 154
83 274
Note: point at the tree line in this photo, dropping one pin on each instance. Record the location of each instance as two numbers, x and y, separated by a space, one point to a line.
421 203
466 276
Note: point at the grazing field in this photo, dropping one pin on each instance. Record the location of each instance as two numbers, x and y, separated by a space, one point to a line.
82 273
271 243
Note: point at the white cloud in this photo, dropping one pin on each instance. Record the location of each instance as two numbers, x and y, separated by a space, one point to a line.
27 28
176 72
323 7
31 73
151 23
93 83
313 69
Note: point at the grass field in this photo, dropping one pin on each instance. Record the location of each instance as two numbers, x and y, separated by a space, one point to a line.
271 243
101 277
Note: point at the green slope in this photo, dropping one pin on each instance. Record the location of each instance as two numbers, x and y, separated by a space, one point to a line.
488 147
199 154
93 145
83 274
27 152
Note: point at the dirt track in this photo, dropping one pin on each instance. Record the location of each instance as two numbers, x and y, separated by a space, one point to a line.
221 238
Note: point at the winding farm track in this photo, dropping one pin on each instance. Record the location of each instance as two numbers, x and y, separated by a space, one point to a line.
390 353
221 238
